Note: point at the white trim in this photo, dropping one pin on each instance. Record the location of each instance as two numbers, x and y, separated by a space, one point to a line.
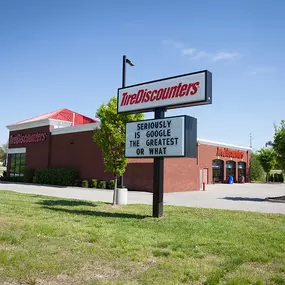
214 143
16 150
75 129
38 123
28 125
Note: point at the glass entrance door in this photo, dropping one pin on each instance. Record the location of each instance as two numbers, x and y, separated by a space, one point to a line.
231 169
242 172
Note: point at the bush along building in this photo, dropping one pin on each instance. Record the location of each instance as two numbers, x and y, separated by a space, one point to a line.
60 144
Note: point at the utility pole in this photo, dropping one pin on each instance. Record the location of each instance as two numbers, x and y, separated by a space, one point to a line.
250 140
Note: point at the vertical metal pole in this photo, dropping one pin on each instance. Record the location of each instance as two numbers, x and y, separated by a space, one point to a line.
158 176
124 72
121 178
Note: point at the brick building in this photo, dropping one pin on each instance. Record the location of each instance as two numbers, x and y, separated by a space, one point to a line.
64 139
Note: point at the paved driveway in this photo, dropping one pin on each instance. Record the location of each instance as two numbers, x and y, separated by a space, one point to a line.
247 197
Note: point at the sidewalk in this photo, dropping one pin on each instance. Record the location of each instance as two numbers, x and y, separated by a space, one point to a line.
89 194
245 197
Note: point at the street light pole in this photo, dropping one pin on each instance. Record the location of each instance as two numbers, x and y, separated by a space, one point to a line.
124 72
125 60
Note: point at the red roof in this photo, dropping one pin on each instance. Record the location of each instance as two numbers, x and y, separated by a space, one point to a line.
63 115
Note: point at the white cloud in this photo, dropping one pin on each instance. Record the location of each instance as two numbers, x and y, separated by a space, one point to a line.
201 54
225 55
178 45
260 70
194 53
188 51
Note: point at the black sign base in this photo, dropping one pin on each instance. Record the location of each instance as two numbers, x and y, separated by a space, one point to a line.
158 176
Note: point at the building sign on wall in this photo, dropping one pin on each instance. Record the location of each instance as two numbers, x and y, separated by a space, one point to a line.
181 91
225 152
27 138
168 137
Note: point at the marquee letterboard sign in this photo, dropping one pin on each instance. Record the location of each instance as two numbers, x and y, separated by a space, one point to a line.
180 91
167 137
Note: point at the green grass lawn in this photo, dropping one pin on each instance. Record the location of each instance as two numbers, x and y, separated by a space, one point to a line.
55 241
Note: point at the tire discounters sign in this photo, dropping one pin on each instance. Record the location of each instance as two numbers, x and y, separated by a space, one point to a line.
168 137
180 91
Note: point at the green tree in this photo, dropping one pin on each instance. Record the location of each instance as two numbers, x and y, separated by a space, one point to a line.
110 137
256 170
267 158
278 144
3 153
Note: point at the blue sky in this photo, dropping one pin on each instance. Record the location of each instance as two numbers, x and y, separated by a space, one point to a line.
67 54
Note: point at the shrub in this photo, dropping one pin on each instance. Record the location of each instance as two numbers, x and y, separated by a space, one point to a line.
28 175
276 177
35 179
4 178
94 183
78 183
4 174
57 176
14 179
101 184
85 183
280 177
37 176
111 184
272 177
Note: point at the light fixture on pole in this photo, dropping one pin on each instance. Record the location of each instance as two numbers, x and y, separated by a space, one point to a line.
129 62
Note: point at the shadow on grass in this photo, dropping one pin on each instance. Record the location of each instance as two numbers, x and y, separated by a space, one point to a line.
66 203
244 199
97 213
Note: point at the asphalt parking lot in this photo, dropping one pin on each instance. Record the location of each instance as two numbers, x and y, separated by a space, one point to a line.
245 197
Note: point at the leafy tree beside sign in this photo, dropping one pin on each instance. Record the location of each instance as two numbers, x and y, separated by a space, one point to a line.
279 144
256 170
110 137
267 158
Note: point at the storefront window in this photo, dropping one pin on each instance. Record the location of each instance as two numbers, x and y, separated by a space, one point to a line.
18 164
218 170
